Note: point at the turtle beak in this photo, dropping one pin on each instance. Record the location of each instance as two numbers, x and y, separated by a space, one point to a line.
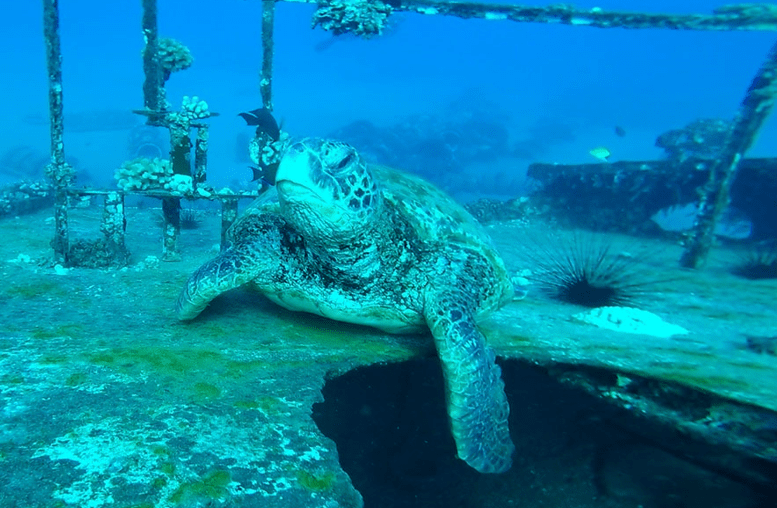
294 167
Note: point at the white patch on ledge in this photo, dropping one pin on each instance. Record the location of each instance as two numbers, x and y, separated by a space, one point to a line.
630 320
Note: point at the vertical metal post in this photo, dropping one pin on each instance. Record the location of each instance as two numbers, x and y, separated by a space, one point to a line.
180 146
228 217
153 86
54 67
114 227
268 24
201 155
171 213
714 195
60 173
181 162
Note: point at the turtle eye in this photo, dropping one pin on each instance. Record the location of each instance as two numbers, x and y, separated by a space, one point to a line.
345 161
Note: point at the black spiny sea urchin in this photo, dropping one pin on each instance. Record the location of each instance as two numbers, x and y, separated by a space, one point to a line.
586 271
759 262
190 218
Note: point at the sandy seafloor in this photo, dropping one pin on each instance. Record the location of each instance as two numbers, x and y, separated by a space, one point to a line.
107 400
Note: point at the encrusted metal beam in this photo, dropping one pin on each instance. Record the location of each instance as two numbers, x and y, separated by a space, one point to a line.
54 67
153 86
268 25
181 161
171 228
60 173
228 217
164 194
714 195
201 155
113 228
746 16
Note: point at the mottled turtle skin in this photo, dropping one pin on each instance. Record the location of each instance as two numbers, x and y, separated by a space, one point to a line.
377 247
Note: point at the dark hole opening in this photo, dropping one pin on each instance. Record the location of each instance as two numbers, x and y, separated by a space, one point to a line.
572 449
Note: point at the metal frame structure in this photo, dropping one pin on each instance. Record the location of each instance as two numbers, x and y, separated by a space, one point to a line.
367 18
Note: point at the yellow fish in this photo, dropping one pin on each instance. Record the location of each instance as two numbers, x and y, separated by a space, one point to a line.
601 153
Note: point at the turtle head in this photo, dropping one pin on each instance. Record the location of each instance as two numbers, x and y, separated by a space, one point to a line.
326 190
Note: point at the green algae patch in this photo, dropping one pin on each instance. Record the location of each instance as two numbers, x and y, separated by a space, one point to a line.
341 342
173 362
66 330
142 505
751 365
246 404
53 359
518 340
203 369
268 405
210 487
701 355
237 370
167 468
315 482
712 384
204 392
12 379
509 341
160 451
76 379
212 329
40 289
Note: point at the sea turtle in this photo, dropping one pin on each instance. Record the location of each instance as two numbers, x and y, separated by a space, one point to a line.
378 247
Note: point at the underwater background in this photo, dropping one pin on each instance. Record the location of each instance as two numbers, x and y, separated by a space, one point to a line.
553 93
107 400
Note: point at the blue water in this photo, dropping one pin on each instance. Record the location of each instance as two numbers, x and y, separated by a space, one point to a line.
575 80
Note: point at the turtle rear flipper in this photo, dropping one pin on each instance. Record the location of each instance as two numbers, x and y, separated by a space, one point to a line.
477 404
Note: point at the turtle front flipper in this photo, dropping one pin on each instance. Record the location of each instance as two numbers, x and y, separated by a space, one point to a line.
259 244
232 268
477 404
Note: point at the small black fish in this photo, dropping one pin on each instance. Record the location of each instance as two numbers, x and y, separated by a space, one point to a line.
265 174
620 131
263 185
257 173
264 121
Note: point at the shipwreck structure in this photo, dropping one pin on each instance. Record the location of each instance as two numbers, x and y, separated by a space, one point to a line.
188 127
